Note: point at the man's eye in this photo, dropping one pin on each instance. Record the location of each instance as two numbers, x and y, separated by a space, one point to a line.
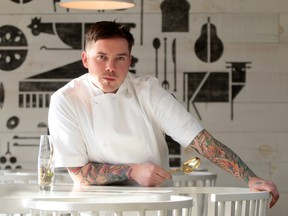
101 57
121 58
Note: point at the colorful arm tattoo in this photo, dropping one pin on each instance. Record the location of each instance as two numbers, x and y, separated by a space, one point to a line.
101 174
221 155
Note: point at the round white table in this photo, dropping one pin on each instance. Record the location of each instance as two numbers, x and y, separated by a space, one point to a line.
119 204
12 195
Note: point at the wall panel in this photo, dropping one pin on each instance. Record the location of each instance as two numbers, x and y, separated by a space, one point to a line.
254 37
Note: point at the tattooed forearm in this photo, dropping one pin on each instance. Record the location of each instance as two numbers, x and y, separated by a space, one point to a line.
221 155
100 174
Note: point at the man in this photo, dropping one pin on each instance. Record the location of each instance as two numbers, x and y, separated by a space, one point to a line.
108 125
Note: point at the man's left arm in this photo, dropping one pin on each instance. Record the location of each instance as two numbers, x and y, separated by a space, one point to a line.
206 145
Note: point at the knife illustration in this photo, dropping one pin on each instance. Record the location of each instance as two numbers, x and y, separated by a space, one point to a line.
174 62
2 96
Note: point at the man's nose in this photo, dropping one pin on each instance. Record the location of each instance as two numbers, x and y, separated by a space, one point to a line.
111 66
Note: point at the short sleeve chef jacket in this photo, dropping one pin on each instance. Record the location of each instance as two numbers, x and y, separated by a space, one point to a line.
126 127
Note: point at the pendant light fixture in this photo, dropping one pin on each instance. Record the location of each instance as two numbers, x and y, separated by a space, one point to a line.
97 4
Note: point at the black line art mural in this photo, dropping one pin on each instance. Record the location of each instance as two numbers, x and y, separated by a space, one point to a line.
175 15
175 150
141 21
66 32
8 160
55 2
12 122
35 91
25 137
25 141
21 1
215 86
25 145
133 64
71 34
208 47
13 48
2 95
165 83
156 45
174 63
238 79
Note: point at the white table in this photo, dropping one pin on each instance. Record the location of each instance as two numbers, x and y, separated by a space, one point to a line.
120 204
12 195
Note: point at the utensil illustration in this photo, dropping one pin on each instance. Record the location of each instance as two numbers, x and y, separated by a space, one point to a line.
141 22
188 166
2 95
174 62
156 45
165 83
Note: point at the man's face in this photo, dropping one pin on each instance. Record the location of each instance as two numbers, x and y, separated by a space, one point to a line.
107 61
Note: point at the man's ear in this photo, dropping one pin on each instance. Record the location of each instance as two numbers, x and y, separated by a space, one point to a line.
84 59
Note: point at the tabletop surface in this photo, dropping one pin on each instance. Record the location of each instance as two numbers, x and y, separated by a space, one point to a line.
19 191
12 196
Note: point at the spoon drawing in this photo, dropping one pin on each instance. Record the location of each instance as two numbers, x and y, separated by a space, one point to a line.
165 83
156 45
188 166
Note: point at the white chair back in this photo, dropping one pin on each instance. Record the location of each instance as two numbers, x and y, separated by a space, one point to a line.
239 204
129 205
196 179
225 201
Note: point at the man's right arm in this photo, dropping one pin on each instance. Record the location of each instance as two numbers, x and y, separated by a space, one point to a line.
100 174
147 174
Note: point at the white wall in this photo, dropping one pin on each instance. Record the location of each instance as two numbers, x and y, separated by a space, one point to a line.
251 31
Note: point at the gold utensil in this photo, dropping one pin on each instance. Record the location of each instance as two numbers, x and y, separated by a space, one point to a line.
188 166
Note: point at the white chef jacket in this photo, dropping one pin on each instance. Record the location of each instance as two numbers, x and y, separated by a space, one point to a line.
126 127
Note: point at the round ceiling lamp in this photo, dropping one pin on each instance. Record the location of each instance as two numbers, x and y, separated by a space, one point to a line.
97 4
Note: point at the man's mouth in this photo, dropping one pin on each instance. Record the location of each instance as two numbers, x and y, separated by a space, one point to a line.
109 78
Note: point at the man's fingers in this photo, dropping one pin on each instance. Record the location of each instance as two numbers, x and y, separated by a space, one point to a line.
275 197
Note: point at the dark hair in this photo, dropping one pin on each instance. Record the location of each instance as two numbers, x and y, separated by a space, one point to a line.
108 29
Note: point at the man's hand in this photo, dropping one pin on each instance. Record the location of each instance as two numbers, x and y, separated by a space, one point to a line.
149 174
258 184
